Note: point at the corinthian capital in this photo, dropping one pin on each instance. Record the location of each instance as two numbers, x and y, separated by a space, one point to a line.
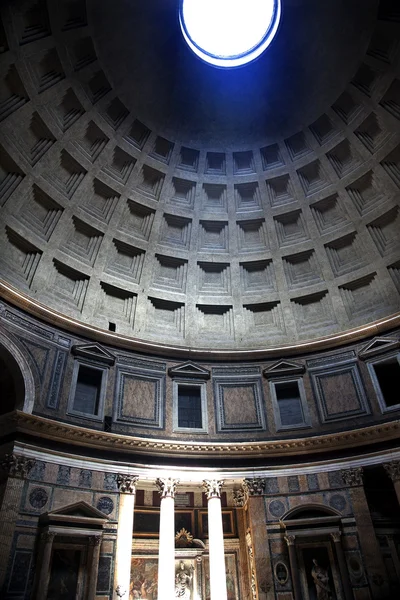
240 497
17 466
352 477
212 488
393 470
167 486
255 486
127 483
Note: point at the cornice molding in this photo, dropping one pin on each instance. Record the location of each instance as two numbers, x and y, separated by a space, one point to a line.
43 428
57 319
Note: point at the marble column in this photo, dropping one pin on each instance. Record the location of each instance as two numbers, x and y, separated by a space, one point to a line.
45 550
212 487
344 574
393 470
373 561
123 554
294 567
14 470
95 546
166 549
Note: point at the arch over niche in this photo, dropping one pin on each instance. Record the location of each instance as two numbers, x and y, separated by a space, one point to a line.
310 511
18 374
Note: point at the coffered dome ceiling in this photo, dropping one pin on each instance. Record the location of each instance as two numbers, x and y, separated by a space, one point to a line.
181 204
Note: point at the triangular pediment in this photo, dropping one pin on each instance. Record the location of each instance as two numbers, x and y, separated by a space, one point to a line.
95 353
78 509
189 369
284 367
378 346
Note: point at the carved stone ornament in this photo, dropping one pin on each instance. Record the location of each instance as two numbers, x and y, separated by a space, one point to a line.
393 470
240 497
255 486
167 486
253 580
352 477
290 540
17 466
127 483
212 488
336 535
120 591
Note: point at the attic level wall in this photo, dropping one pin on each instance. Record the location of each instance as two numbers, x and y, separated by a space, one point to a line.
139 395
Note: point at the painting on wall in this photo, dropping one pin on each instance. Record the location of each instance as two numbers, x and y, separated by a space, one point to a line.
228 523
144 575
232 587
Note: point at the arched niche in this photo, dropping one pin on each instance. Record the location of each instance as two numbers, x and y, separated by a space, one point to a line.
311 511
16 378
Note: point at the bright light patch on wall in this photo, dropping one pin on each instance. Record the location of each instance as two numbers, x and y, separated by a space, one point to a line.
229 33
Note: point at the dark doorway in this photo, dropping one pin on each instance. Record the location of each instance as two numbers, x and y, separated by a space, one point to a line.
64 575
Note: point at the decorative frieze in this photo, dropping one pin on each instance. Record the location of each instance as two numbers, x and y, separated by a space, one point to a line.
353 477
127 483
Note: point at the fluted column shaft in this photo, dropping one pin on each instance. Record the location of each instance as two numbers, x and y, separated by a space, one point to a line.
294 568
344 574
46 547
122 578
95 545
216 540
166 548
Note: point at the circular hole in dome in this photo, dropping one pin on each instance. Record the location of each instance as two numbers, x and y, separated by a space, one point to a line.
229 33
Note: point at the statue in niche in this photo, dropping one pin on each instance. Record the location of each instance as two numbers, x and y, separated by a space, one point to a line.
321 581
183 582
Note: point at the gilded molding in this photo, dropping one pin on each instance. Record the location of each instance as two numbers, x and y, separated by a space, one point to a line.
41 427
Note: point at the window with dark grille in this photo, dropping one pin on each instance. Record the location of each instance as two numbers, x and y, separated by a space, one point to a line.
388 376
87 391
289 402
189 407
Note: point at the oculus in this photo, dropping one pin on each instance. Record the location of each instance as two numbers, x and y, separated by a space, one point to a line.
229 33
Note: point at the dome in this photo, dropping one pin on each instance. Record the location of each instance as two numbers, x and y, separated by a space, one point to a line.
147 193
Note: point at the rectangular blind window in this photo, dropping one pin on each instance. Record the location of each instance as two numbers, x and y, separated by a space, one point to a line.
87 391
388 375
189 407
289 402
